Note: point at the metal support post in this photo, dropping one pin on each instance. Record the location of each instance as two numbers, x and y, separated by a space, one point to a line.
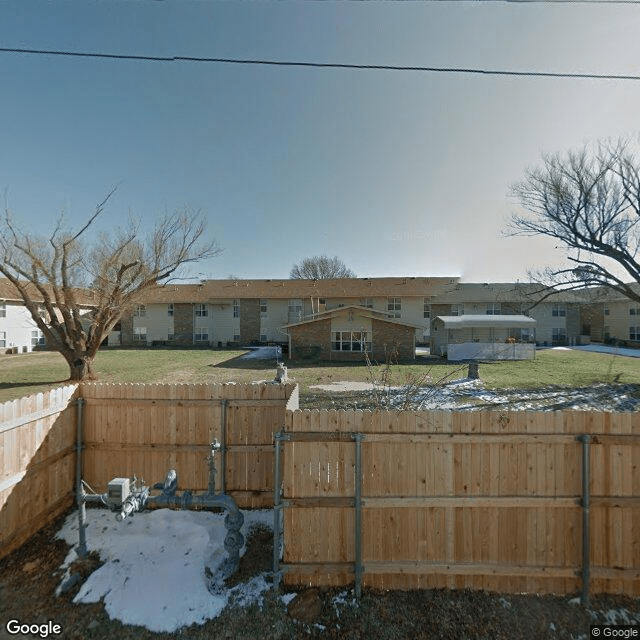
277 503
586 524
223 445
358 438
80 501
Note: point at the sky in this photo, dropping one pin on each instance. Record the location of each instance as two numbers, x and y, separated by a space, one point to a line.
398 173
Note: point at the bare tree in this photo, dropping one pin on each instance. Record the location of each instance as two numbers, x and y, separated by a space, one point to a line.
64 275
589 201
321 268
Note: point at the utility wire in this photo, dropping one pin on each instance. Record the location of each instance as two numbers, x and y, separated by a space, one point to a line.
324 65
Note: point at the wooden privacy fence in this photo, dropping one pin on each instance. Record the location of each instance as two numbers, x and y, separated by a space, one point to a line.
37 463
144 430
483 500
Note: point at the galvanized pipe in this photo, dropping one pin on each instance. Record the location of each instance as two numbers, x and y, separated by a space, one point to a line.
80 495
277 504
358 438
586 524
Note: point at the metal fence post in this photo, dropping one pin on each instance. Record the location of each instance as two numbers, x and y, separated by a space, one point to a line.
586 525
82 514
223 445
277 503
358 438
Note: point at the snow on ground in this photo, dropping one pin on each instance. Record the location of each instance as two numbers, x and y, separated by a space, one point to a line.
616 351
344 386
263 353
469 395
153 572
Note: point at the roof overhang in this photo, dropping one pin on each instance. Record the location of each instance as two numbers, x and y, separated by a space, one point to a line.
479 321
362 312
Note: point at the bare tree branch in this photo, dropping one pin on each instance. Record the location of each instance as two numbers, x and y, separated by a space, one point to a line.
83 286
589 201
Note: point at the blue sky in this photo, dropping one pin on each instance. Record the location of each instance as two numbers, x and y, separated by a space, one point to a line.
397 173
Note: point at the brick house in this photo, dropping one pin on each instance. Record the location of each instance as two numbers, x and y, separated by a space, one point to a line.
347 332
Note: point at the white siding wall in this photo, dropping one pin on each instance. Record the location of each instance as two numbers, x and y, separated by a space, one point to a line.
620 319
222 325
543 313
17 325
273 319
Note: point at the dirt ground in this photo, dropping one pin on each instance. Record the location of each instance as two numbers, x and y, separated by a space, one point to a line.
30 575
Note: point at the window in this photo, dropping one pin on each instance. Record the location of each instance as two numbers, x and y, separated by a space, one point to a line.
634 333
140 334
457 309
426 313
3 338
295 310
140 311
263 308
201 310
3 309
367 302
236 308
559 335
170 309
526 335
263 337
236 337
394 307
201 334
42 312
350 341
493 309
37 338
606 310
558 310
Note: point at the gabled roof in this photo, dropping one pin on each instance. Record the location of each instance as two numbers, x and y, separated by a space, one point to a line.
211 290
364 312
478 321
84 297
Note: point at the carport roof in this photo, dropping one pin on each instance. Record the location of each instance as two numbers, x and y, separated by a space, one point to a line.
463 322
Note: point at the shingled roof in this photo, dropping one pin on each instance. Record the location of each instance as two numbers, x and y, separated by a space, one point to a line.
85 297
210 290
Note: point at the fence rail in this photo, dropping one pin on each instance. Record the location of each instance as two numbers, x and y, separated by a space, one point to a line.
144 430
480 500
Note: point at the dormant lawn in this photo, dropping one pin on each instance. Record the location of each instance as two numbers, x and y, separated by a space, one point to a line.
27 374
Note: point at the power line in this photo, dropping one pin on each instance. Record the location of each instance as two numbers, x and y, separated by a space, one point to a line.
324 65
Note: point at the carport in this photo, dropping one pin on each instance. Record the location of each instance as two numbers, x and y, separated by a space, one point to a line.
484 337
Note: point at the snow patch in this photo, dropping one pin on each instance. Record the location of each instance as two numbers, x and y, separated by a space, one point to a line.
153 574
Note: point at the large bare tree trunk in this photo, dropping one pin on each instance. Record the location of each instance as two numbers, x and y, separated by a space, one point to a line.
80 366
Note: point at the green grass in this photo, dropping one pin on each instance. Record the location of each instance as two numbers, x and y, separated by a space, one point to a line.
26 374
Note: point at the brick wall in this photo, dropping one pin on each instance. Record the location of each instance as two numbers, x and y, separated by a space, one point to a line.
393 336
126 329
182 324
249 320
312 338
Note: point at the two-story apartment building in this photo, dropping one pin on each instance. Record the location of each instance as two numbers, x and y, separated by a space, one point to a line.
224 312
561 318
339 319
18 331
